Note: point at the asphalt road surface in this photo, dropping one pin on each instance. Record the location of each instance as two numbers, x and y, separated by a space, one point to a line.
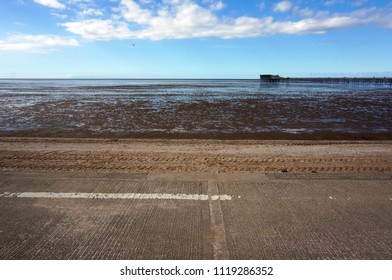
195 215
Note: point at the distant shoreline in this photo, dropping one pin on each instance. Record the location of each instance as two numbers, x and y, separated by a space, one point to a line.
299 77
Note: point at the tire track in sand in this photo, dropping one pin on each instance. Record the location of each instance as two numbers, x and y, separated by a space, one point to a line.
177 161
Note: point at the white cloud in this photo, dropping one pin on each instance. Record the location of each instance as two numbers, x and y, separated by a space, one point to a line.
359 2
383 18
62 16
55 4
132 12
95 29
216 5
241 27
178 19
282 6
329 2
91 12
305 12
23 42
332 2
261 5
316 26
19 23
80 2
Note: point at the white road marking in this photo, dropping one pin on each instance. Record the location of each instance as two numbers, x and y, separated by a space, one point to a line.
221 197
116 196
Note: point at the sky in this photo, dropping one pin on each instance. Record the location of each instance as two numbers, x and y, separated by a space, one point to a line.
194 38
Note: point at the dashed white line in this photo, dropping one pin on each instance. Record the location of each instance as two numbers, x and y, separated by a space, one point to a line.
116 196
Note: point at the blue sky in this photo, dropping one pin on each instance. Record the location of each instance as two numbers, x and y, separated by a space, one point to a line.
194 38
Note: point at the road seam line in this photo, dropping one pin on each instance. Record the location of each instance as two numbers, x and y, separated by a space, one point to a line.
218 233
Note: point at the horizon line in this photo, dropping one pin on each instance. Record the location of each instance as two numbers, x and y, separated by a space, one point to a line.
174 78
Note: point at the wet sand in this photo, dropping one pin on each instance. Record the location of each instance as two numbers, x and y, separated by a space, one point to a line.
149 155
352 115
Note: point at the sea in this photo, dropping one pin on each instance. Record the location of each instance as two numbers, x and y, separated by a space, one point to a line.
195 108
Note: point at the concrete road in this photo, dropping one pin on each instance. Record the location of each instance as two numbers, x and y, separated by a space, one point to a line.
195 216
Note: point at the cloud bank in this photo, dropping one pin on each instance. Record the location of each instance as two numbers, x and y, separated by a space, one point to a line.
23 42
180 19
55 4
183 19
283 6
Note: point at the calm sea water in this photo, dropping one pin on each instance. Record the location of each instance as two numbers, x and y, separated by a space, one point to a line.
246 107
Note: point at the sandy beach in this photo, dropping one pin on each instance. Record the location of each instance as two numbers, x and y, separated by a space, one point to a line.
135 155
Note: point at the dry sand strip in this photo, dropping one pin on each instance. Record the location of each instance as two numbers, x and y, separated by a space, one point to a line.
143 155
